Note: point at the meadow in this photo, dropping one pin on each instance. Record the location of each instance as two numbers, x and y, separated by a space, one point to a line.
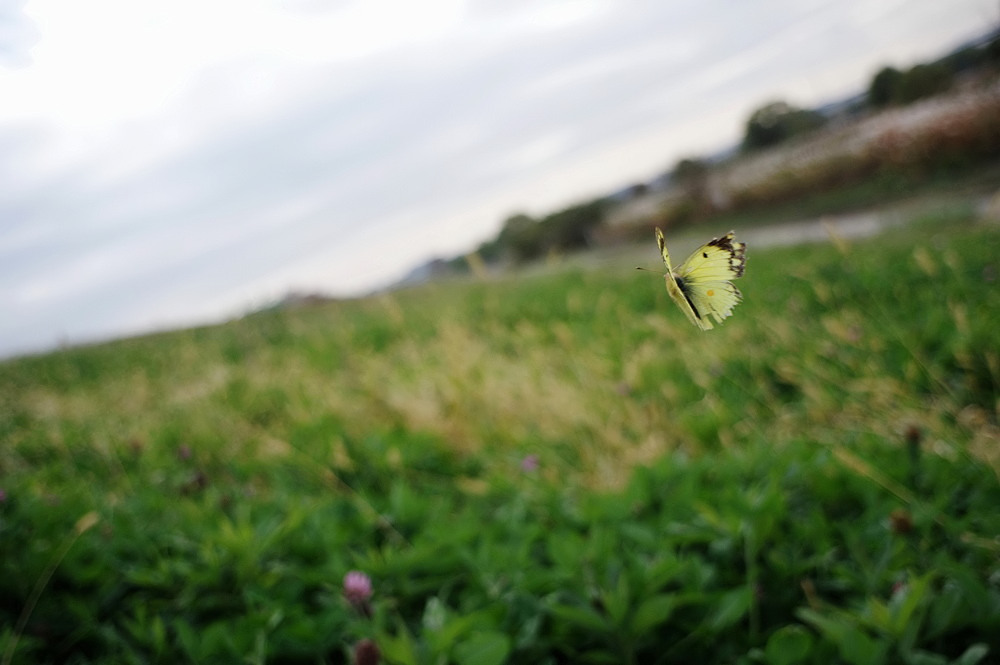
548 467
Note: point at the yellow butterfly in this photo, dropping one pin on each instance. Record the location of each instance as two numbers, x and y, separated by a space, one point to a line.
702 285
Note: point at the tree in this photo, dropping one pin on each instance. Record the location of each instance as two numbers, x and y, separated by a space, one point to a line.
570 228
923 81
691 176
637 190
778 121
490 250
884 87
690 170
521 237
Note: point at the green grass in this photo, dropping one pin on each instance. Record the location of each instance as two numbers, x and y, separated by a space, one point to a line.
814 482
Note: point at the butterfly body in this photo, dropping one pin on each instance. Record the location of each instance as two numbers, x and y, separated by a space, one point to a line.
702 286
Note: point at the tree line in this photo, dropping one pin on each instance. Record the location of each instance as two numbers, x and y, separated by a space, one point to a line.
524 238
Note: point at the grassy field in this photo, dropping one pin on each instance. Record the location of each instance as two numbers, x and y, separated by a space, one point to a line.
554 467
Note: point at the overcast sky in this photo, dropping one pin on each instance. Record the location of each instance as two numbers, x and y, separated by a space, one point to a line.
170 163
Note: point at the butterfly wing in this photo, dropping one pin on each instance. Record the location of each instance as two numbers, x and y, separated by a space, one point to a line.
679 295
705 280
713 300
663 250
674 287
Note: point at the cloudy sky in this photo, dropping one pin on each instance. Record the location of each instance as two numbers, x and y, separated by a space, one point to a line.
170 163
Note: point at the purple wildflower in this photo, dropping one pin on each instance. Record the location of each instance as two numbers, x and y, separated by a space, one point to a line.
357 588
529 463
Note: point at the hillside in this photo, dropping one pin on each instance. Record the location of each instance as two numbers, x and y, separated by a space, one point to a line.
553 466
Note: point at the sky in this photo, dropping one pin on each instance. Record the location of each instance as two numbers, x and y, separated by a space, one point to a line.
173 164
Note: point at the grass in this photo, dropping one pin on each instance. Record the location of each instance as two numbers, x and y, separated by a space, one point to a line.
816 481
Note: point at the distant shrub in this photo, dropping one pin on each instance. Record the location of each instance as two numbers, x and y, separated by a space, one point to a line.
777 122
570 228
683 210
892 86
884 87
923 81
521 238
524 238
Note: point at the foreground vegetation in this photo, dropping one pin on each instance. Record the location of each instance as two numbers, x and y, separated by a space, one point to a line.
553 468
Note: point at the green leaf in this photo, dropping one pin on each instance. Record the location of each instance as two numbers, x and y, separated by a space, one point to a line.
972 655
729 609
442 640
861 649
159 635
908 609
486 648
218 641
565 549
919 657
653 612
188 640
788 645
398 649
665 570
854 644
947 609
584 617
617 601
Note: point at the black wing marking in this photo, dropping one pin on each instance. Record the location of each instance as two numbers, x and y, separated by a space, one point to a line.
680 285
737 252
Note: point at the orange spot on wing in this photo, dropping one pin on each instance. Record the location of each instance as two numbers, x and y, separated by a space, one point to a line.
711 292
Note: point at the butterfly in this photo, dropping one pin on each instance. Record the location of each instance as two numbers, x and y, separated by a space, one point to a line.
702 286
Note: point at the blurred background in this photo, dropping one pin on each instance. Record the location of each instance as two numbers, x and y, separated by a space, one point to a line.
442 419
187 163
